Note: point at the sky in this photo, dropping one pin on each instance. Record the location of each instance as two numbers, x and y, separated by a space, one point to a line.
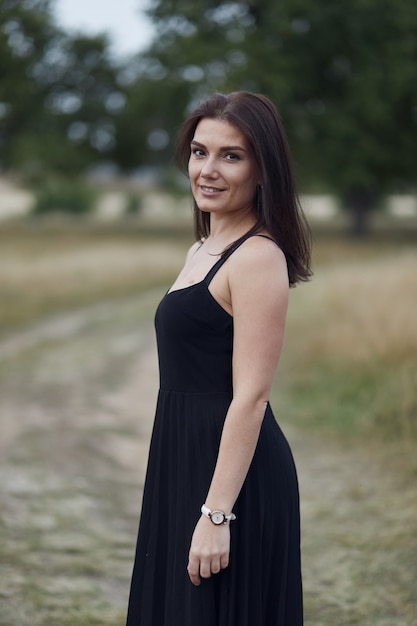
124 20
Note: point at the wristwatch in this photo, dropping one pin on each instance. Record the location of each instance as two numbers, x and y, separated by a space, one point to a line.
217 517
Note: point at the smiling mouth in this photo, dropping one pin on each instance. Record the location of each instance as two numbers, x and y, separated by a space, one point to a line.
208 189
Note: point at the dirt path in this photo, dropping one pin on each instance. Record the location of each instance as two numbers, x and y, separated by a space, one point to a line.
77 402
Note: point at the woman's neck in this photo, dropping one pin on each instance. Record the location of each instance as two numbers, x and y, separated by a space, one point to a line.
224 231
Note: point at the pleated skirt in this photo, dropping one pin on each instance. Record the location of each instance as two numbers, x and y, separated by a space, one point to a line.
262 585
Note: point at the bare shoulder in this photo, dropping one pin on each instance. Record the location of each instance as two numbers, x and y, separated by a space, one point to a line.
260 259
258 284
259 245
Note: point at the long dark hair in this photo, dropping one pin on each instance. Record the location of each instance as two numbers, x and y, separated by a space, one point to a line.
276 205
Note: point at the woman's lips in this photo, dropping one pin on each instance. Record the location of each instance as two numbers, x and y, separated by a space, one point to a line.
209 189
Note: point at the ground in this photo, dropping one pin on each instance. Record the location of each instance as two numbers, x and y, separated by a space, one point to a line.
78 397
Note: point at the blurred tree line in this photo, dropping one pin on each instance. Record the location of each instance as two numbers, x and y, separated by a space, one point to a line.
59 95
343 75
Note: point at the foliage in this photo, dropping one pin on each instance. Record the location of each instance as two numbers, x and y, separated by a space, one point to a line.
27 37
146 129
58 93
342 75
64 196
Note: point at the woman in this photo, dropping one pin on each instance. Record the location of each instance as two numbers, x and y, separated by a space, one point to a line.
219 538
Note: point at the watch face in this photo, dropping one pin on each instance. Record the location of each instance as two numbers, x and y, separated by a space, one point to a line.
217 517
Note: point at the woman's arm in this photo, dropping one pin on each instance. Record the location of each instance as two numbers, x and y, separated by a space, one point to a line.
258 283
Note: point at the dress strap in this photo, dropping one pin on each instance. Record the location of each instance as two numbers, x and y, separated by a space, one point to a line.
209 277
266 237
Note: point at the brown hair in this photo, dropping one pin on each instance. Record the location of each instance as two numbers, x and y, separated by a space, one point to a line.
276 206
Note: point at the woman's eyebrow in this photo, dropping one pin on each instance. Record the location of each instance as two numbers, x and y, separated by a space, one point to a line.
222 148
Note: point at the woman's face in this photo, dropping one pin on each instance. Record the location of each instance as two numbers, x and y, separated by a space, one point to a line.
222 169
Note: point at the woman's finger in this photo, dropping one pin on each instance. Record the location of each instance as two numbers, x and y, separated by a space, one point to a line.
224 560
205 568
193 569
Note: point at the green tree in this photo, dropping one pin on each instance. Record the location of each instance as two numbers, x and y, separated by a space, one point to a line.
183 64
155 104
26 35
342 74
58 93
351 103
84 100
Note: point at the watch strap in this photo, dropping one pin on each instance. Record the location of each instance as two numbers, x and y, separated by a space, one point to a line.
208 513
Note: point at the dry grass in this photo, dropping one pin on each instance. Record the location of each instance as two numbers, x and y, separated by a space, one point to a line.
45 271
72 416
348 364
348 377
349 360
76 411
368 308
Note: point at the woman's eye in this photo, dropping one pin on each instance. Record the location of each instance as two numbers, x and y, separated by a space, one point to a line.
197 151
232 157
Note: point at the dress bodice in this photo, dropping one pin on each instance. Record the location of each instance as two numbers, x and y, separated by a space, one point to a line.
194 336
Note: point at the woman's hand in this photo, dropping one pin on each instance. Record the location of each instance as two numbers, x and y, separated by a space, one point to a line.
209 551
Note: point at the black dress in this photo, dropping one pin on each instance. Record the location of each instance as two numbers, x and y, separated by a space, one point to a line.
262 585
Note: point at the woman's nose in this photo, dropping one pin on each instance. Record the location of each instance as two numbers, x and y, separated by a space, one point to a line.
208 168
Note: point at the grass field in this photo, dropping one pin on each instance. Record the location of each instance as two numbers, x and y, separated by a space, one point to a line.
349 362
347 382
352 345
49 269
